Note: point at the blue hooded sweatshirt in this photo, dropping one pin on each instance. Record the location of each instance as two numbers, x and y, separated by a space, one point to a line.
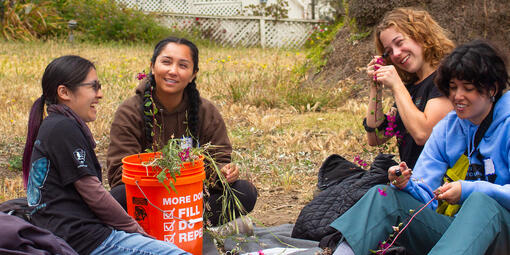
450 138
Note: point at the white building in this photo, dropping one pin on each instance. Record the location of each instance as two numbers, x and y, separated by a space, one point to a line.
298 9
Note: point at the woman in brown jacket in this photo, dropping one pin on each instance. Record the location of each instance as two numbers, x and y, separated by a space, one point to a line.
181 113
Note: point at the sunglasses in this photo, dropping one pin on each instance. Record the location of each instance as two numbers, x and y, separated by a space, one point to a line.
96 85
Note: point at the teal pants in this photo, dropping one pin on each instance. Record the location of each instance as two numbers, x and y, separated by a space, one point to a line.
480 227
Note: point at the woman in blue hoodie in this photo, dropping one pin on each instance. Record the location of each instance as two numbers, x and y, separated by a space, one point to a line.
473 77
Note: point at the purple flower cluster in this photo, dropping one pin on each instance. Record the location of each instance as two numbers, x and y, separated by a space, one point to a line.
379 61
360 161
391 130
184 155
141 76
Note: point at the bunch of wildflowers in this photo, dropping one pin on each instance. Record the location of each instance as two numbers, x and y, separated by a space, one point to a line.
391 129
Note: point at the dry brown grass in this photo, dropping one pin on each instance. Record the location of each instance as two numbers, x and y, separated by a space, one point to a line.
279 140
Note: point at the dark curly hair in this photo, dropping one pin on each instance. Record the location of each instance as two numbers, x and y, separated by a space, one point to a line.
190 91
478 62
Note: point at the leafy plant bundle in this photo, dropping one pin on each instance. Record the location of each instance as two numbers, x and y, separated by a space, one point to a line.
169 161
168 164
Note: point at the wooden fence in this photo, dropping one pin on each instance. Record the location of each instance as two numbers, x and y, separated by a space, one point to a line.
244 31
217 20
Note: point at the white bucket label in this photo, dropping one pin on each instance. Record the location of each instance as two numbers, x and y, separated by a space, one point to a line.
182 220
186 142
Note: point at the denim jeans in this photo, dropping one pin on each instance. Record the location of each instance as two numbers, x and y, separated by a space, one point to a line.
481 226
120 242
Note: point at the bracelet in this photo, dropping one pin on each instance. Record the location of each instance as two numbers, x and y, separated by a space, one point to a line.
381 127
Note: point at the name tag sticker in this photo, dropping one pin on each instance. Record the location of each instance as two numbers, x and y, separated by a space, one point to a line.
489 166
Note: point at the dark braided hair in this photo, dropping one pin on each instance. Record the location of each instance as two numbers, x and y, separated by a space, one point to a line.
191 91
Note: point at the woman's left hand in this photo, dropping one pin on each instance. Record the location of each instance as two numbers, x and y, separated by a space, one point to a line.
450 192
231 172
388 76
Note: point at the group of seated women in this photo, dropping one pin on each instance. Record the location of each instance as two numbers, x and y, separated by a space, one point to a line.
427 77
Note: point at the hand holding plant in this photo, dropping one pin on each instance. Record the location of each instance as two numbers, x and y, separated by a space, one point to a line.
399 175
450 192
388 76
373 66
231 172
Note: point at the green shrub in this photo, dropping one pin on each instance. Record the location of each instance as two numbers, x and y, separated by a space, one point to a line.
26 20
98 20
319 44
15 163
105 20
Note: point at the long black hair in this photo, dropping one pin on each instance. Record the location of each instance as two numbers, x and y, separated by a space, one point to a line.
191 91
67 70
478 62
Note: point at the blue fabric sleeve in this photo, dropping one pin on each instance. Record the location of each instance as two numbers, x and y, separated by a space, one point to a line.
430 167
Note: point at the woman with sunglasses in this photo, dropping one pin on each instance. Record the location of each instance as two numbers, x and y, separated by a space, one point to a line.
412 45
473 77
62 173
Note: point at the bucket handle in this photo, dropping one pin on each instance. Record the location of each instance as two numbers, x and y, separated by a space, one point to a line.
189 222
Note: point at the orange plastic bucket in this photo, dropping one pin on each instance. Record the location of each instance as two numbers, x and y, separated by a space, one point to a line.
180 219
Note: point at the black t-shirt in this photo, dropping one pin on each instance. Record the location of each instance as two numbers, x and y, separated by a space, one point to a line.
421 93
61 156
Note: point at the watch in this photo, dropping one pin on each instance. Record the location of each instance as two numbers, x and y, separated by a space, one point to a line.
381 127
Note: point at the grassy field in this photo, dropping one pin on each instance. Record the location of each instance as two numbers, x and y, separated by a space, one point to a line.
281 130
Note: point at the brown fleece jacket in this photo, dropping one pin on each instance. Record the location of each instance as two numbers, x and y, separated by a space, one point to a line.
127 133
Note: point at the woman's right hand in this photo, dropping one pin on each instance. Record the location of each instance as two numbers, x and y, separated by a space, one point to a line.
388 76
399 175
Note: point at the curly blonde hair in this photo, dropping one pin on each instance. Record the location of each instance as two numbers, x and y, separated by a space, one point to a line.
422 28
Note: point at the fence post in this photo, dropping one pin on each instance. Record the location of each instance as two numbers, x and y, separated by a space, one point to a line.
262 32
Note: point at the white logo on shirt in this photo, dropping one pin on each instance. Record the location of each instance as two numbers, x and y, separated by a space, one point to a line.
79 156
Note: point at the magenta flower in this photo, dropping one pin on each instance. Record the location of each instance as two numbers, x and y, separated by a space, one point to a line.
379 61
141 76
184 155
360 161
260 252
382 192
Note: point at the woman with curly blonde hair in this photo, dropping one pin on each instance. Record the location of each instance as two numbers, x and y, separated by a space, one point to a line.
411 45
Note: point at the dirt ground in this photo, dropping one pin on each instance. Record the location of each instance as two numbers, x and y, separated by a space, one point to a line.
278 206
